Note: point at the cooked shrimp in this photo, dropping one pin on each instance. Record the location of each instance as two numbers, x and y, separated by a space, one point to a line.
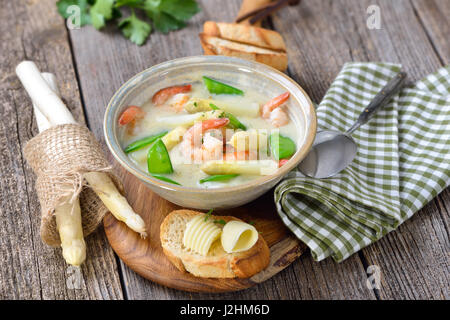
211 148
179 100
163 95
273 112
131 114
273 104
195 146
278 118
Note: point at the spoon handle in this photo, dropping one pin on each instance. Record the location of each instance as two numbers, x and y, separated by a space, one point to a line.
379 101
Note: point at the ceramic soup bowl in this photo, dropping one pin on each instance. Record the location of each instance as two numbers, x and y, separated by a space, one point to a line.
270 82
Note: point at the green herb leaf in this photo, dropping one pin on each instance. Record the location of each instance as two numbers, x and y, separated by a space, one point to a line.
151 5
164 22
208 214
167 15
101 12
135 29
67 12
219 177
221 221
281 147
181 10
129 3
163 178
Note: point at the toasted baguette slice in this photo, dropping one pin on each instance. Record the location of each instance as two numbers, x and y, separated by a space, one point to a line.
218 263
217 46
245 34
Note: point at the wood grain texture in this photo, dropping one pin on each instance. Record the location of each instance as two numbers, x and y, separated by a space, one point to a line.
321 35
146 257
99 78
30 269
414 260
434 15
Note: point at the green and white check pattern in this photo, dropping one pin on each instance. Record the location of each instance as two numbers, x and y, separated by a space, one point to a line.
403 162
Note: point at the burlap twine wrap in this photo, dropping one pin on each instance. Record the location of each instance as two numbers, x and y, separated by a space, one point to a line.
59 156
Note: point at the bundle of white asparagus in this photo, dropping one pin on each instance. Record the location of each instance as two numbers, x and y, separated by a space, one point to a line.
50 111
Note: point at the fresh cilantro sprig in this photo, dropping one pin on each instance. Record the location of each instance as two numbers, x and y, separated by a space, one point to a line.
165 15
135 29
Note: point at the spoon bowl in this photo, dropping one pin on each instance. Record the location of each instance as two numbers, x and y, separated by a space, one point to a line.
333 151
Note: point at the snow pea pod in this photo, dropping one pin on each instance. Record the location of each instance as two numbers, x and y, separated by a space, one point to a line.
141 143
234 122
160 177
218 177
218 87
158 159
281 147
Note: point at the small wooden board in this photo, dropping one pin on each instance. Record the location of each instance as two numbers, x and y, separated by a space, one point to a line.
146 257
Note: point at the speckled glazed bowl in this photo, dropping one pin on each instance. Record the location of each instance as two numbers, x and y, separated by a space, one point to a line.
269 81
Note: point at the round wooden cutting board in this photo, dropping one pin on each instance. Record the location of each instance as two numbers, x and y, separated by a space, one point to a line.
146 257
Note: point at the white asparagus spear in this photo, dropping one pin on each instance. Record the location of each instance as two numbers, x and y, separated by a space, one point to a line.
116 203
68 222
68 215
186 120
252 167
42 121
195 105
45 99
172 138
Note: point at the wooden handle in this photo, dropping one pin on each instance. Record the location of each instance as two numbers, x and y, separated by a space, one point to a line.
380 100
251 5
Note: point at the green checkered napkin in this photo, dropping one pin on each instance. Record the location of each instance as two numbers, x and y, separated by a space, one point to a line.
403 162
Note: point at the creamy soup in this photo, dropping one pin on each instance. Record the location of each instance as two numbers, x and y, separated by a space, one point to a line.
209 134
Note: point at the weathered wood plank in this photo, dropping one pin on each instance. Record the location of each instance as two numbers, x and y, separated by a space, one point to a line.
434 17
104 61
413 260
30 269
303 280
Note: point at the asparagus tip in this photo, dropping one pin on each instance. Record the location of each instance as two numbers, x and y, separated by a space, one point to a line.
75 254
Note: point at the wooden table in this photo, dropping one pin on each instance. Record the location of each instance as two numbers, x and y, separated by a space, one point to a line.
90 65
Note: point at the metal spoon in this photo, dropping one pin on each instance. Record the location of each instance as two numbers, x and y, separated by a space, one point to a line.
333 151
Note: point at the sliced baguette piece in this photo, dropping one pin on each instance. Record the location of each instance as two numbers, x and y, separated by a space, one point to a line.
218 263
217 46
246 34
